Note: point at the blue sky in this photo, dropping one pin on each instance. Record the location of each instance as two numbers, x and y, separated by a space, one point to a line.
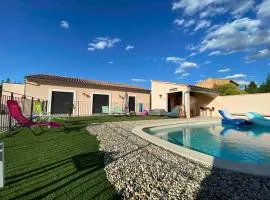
135 41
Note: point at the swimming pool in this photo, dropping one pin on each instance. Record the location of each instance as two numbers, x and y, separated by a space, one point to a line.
249 145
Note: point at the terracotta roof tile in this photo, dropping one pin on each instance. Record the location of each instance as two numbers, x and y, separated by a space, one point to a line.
42 78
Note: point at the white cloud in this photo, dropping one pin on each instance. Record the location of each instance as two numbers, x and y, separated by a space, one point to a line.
111 62
138 80
189 23
186 74
202 24
185 65
264 9
64 24
191 47
129 47
239 7
260 54
214 53
235 76
192 7
212 11
207 62
101 43
224 70
188 65
242 82
236 36
174 59
179 22
192 54
249 61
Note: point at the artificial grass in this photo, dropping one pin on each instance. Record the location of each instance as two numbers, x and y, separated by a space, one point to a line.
62 163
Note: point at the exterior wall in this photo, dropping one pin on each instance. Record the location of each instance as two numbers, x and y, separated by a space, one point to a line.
241 104
160 91
17 89
209 83
84 96
200 100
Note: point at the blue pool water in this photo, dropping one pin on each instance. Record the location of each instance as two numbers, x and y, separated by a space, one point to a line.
241 144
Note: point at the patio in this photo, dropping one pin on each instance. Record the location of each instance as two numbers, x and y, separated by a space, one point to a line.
60 163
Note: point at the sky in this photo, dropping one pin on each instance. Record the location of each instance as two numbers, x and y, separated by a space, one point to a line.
133 42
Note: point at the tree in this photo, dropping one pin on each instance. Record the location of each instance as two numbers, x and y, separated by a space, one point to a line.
8 80
251 88
228 89
265 86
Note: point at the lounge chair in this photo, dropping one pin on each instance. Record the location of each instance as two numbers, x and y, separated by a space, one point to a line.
157 112
21 121
258 119
118 111
228 119
174 112
105 110
40 116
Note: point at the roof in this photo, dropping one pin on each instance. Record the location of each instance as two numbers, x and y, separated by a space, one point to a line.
77 82
218 79
194 88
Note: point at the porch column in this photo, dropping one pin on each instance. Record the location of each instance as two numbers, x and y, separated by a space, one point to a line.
187 103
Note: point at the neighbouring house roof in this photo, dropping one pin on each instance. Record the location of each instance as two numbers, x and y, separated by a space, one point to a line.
77 82
211 82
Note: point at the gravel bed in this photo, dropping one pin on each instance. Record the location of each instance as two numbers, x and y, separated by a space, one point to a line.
142 170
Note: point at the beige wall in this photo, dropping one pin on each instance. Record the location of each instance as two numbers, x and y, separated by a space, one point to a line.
200 100
84 96
12 87
160 90
240 104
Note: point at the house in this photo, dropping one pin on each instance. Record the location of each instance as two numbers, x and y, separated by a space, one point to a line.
86 97
16 88
167 95
211 82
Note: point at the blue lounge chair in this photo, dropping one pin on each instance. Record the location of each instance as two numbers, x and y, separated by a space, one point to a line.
258 119
174 112
228 119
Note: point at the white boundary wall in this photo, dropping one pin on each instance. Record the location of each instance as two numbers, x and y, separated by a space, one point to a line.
241 104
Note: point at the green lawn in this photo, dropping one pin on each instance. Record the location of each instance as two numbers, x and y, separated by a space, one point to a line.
60 163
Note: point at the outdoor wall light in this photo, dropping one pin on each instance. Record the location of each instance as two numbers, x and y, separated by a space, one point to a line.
87 95
160 96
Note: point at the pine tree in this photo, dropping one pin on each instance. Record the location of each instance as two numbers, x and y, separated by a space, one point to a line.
251 88
265 86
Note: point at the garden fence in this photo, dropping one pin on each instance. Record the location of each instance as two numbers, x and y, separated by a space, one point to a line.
28 106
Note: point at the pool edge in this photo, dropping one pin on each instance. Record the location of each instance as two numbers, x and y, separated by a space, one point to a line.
211 161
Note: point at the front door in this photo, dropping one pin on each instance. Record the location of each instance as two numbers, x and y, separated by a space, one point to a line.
131 103
99 100
62 102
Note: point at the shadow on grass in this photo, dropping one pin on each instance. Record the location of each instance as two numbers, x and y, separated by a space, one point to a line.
88 174
89 160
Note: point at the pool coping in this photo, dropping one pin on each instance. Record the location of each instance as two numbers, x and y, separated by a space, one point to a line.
211 161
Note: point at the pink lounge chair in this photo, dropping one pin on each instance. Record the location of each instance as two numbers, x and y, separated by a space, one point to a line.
22 121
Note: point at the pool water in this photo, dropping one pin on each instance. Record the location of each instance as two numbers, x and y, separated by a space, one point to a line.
249 144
